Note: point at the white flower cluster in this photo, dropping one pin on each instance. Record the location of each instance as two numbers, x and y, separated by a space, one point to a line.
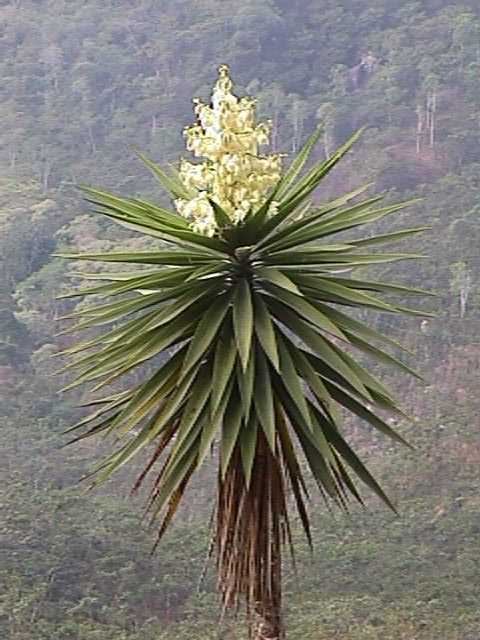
234 174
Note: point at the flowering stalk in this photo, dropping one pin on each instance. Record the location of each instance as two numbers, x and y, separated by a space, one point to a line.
234 175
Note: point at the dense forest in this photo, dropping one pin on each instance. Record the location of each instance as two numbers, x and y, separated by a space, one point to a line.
82 83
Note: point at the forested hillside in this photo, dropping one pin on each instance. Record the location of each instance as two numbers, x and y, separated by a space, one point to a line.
81 83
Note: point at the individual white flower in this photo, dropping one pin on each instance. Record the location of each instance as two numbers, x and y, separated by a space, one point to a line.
273 208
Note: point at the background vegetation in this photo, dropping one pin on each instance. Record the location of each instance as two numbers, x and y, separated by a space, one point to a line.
82 81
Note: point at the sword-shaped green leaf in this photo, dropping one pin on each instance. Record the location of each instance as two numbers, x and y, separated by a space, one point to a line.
221 217
350 403
283 230
340 222
170 483
292 380
298 163
149 394
381 287
295 476
148 433
317 451
389 237
276 277
323 288
305 310
314 259
354 462
382 356
356 327
243 320
265 331
116 401
248 445
223 366
163 258
304 187
309 375
159 280
263 399
320 346
172 185
230 432
245 381
206 330
213 425
194 406
370 382
161 214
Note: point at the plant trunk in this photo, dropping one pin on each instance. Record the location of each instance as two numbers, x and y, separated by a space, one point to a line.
252 524
268 626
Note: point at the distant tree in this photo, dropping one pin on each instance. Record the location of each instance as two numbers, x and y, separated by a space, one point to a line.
461 284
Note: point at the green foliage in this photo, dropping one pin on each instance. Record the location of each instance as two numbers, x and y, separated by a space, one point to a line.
201 310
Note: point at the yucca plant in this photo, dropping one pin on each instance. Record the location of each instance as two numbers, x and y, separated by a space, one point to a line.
248 296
